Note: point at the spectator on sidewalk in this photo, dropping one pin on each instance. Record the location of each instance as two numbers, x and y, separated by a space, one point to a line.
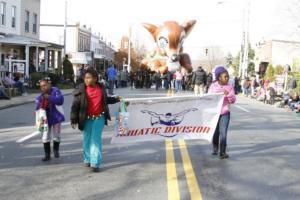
209 80
90 112
124 77
237 87
157 80
261 94
81 73
178 80
147 81
3 94
270 95
131 79
298 109
285 98
199 81
118 80
139 79
9 82
254 85
20 84
293 102
247 87
221 85
174 80
293 83
51 99
168 80
112 77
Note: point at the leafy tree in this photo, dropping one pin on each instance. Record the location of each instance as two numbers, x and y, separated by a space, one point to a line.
278 70
68 70
270 73
251 68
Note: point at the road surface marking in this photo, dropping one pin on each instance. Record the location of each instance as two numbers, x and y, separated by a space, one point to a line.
35 133
192 183
173 187
28 137
241 108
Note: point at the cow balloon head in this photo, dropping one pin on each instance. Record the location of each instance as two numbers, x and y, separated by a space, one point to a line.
169 39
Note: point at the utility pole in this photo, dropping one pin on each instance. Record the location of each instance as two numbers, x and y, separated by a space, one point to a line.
244 54
245 60
65 28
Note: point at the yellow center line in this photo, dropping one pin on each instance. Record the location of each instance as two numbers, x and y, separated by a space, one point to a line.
192 183
173 187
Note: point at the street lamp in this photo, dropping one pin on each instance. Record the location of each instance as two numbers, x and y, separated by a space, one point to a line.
129 49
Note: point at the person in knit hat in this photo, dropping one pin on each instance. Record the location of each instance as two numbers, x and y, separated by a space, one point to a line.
220 85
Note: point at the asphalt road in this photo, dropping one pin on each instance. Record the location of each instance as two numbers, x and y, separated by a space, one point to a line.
264 163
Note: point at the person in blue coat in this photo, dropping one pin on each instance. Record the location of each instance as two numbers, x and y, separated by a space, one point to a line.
112 77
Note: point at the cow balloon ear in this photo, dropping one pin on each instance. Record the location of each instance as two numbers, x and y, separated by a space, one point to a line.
151 28
188 26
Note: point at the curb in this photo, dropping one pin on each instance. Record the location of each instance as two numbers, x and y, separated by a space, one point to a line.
25 102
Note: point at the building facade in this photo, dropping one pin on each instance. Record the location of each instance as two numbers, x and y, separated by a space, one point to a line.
82 46
277 52
21 50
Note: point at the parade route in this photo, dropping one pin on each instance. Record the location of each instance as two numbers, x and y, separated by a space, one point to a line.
149 100
263 145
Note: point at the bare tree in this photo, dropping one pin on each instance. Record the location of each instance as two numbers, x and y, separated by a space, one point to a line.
215 56
292 18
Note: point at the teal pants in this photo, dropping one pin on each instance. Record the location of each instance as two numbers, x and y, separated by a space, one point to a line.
92 141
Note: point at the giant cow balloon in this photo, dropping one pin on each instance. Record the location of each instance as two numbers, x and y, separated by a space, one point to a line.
168 54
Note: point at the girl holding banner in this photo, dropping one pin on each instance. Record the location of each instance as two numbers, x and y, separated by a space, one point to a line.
221 86
90 112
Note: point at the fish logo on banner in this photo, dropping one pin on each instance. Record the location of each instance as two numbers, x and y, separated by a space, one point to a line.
167 119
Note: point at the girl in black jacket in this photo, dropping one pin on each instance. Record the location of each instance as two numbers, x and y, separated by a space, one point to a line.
90 112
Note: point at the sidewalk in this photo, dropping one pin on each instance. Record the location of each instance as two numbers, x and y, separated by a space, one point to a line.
16 101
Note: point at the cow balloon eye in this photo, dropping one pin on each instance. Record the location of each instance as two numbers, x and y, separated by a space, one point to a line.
163 43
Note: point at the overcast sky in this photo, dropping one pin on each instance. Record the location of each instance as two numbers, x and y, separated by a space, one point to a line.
218 24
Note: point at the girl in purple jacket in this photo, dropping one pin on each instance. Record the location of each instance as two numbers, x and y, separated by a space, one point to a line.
50 99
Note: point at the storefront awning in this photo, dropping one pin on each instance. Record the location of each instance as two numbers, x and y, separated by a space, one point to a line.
80 57
12 39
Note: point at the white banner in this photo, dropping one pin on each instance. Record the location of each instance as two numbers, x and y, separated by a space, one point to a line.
182 117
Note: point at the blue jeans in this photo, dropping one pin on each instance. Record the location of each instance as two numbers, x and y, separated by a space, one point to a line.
221 130
178 85
92 141
2 94
247 91
293 105
20 86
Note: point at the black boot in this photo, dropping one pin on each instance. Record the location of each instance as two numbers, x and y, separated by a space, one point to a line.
47 151
223 154
95 169
56 149
215 149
